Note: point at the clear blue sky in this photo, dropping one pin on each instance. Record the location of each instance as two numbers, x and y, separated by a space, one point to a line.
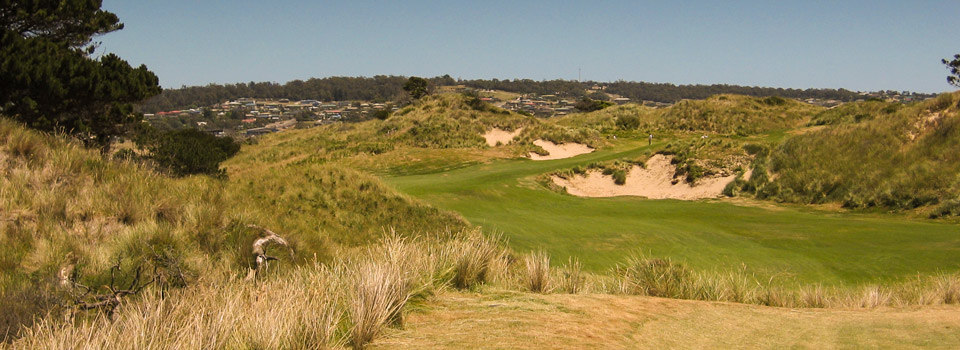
857 45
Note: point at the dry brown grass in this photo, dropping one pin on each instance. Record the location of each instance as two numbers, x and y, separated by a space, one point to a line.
510 320
300 312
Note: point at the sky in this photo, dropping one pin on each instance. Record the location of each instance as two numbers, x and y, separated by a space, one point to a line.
856 45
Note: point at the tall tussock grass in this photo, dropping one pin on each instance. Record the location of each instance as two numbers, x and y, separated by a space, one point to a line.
299 312
476 259
658 277
573 279
352 301
380 290
346 303
537 277
663 277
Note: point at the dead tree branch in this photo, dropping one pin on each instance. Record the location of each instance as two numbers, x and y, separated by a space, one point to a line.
114 295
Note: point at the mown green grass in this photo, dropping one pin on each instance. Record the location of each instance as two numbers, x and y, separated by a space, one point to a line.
791 244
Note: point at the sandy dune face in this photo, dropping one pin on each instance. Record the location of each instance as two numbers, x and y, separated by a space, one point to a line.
560 151
654 182
504 137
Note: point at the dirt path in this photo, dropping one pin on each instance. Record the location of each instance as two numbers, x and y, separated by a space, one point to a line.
654 182
510 320
561 151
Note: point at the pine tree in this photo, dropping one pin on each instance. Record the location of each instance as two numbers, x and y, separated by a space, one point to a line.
48 80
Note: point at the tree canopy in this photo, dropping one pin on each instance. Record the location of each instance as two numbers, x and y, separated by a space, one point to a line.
49 80
589 105
190 151
416 86
954 67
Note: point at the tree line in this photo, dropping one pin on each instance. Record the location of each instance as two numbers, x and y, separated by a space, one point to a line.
669 93
383 88
380 88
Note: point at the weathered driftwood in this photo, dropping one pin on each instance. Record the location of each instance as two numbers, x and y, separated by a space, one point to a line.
259 249
66 275
107 301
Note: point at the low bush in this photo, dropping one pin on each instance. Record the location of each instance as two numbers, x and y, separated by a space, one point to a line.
189 151
628 122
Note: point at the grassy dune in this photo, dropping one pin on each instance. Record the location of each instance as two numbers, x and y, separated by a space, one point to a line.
62 205
882 156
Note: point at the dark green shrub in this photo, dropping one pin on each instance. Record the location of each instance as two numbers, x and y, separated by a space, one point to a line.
891 108
755 149
942 102
774 101
694 172
948 208
619 177
190 151
374 147
590 105
22 306
382 114
628 122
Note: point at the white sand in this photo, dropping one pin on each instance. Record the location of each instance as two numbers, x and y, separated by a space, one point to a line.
654 182
560 151
499 135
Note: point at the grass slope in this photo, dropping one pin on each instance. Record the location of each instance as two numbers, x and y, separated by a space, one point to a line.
64 205
876 155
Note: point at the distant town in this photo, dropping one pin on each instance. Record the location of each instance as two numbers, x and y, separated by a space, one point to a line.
254 117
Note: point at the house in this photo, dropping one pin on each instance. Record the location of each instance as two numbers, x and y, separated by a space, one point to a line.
215 132
621 100
260 131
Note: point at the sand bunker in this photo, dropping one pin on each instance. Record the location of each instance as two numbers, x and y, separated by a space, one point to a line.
560 151
653 182
504 137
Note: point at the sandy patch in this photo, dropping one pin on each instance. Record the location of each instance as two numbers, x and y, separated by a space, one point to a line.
504 137
654 182
565 150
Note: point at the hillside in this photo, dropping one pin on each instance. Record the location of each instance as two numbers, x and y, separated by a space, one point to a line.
871 155
65 206
390 233
439 132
